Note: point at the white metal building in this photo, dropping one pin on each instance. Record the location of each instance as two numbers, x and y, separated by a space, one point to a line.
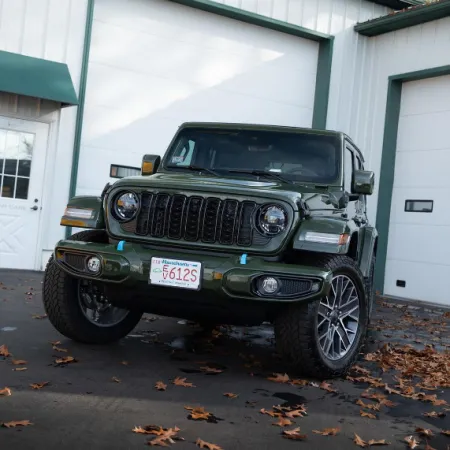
89 83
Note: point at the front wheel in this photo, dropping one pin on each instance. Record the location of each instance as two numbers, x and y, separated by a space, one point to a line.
323 338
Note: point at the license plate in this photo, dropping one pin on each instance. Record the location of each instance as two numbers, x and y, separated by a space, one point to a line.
175 273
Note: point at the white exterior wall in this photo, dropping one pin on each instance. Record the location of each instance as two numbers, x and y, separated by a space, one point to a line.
53 30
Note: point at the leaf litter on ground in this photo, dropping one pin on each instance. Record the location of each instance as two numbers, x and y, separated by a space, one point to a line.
17 423
5 392
203 444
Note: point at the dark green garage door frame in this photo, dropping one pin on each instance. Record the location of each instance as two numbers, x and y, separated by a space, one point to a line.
394 96
323 76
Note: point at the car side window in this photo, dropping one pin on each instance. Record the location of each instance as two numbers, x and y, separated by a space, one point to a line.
348 169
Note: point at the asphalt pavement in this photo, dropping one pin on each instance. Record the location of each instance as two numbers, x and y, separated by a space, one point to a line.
97 399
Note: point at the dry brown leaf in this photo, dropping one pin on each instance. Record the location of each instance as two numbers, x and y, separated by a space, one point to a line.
18 362
4 351
231 395
208 445
59 349
39 385
160 386
198 413
434 414
359 442
17 423
374 406
328 431
445 432
371 357
270 413
208 369
294 434
411 441
149 429
424 432
327 387
55 342
390 390
182 382
65 360
282 422
6 392
295 413
374 442
20 369
279 378
38 316
299 382
387 402
360 370
366 414
116 380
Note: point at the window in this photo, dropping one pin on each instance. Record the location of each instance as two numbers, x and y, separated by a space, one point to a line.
296 156
348 169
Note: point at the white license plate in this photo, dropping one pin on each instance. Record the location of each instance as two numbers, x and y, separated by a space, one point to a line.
175 273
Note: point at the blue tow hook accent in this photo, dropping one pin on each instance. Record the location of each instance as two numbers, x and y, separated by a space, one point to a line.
244 258
120 246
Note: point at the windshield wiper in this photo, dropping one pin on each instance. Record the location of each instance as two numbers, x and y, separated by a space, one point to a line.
202 169
263 173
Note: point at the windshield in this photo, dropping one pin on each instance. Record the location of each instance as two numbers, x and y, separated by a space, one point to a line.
299 157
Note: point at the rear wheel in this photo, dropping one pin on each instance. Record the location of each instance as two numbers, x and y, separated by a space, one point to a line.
79 309
323 338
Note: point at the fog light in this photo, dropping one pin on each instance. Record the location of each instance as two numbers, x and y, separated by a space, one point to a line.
315 287
269 285
93 264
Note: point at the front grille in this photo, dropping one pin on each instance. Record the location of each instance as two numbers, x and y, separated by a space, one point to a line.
209 220
75 261
294 287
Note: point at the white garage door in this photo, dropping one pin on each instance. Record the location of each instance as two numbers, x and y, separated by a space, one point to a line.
418 263
155 64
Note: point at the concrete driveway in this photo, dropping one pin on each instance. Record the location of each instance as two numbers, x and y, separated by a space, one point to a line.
97 400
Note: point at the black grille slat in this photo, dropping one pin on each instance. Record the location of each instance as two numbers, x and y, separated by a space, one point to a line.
192 223
160 209
142 222
75 261
245 227
211 216
229 214
176 213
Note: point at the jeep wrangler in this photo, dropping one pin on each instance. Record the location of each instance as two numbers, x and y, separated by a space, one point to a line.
236 224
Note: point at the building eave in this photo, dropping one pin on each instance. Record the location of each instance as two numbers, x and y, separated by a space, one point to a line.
412 16
397 4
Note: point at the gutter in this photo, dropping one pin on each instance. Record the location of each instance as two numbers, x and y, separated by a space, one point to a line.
81 101
410 17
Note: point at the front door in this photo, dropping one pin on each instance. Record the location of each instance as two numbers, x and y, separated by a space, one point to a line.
23 147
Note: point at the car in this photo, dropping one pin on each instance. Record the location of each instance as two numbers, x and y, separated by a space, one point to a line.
236 224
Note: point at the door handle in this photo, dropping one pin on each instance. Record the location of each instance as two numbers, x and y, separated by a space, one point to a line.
34 208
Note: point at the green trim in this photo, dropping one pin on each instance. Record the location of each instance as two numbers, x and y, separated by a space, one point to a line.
254 19
387 168
82 97
35 77
408 18
323 78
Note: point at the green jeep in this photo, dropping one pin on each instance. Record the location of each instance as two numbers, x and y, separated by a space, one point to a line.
237 224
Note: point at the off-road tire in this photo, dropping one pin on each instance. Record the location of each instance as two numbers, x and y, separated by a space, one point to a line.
370 290
296 325
61 304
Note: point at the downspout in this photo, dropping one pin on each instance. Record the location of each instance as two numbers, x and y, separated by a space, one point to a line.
81 100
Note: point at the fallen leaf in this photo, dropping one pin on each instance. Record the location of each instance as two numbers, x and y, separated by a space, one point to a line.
366 414
208 369
55 342
412 443
295 413
208 445
38 316
270 413
59 349
65 360
18 423
298 382
390 390
373 442
446 432
387 403
328 431
360 442
327 387
198 413
116 380
149 429
424 432
282 422
160 386
294 434
374 406
5 391
434 414
18 362
20 369
360 370
39 385
182 382
231 395
4 351
279 378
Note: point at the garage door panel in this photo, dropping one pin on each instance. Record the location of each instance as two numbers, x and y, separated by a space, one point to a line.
427 168
418 243
440 208
428 283
423 132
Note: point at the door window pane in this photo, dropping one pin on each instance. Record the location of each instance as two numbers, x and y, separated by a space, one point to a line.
348 169
16 151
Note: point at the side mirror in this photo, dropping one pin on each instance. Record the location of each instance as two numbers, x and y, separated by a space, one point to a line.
363 182
150 164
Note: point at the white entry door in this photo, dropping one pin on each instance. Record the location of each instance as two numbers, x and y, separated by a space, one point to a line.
23 148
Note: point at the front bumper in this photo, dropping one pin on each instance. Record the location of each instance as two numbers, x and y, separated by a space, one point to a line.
223 275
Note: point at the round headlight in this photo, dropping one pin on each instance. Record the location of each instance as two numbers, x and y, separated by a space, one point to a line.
272 220
126 206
